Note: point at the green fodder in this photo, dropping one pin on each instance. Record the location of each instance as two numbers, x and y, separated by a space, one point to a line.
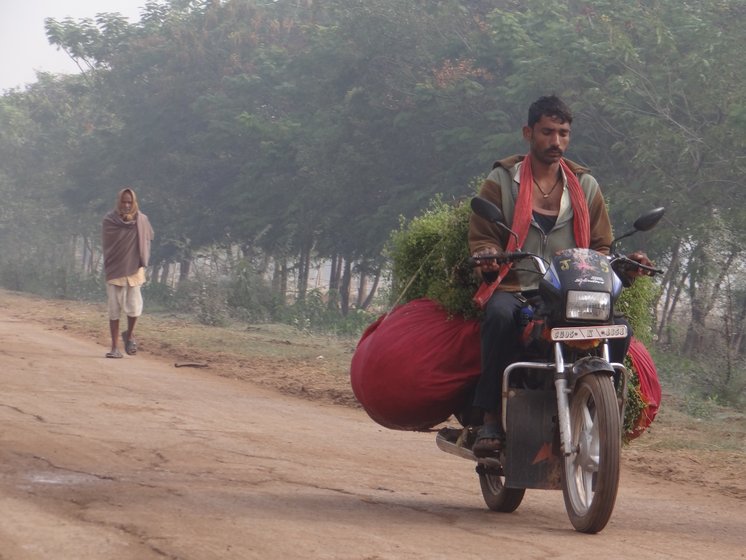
429 258
636 303
635 405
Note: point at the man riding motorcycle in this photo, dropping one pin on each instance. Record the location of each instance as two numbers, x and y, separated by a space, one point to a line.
552 204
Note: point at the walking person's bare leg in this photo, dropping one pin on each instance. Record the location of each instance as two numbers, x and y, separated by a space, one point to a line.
114 328
114 331
130 345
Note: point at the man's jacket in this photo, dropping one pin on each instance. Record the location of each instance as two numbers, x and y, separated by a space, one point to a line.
501 188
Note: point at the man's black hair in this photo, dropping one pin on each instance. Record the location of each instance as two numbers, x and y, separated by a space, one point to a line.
550 106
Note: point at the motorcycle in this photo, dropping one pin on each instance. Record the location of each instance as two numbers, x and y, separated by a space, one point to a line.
563 405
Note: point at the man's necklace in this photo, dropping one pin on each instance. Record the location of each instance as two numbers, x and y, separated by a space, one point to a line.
546 194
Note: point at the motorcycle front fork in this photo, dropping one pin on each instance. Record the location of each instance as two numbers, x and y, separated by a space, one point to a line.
562 391
563 401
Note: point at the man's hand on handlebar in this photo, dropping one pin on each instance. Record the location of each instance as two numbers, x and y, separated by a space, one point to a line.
487 264
635 271
632 266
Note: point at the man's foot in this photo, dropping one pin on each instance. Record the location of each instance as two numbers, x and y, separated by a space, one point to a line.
114 354
489 442
130 346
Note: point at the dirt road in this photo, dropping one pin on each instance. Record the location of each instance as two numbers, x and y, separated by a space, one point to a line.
135 459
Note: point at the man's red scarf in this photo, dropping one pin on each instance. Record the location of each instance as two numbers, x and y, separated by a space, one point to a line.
524 214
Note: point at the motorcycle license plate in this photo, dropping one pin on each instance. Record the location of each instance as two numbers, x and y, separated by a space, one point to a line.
589 333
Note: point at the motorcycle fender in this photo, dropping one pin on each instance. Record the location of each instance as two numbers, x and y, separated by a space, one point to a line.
589 364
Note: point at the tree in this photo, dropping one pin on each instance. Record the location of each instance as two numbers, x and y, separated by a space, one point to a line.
302 130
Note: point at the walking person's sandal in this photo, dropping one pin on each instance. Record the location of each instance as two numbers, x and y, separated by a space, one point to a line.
114 354
130 346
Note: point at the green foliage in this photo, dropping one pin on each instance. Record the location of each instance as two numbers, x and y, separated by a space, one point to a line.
245 297
203 300
210 305
49 281
162 296
429 258
78 286
635 404
250 298
637 303
703 376
289 125
314 315
700 407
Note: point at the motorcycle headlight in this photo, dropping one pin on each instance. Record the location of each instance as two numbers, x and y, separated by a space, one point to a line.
588 306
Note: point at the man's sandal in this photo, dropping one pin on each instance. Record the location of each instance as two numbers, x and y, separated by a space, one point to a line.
130 346
114 354
489 442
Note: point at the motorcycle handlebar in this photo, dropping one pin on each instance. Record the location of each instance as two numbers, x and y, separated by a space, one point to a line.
620 262
626 263
500 258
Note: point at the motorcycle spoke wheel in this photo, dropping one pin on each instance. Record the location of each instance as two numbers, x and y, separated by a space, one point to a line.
591 471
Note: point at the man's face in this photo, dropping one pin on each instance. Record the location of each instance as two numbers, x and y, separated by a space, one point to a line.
125 203
548 139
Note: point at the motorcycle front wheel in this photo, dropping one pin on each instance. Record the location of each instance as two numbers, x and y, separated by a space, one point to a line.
590 474
495 494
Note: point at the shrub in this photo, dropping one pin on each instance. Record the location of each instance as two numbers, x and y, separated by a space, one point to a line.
314 314
249 296
159 295
205 300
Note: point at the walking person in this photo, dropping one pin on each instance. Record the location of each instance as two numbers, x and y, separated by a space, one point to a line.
126 235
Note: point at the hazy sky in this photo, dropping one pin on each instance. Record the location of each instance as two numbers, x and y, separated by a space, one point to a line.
24 45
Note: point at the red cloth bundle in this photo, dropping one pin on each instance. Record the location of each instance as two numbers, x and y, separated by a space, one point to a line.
416 366
650 387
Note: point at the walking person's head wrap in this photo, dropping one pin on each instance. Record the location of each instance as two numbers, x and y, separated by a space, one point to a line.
127 216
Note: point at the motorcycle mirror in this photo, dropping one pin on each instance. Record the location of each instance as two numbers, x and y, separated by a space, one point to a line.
649 220
485 209
644 223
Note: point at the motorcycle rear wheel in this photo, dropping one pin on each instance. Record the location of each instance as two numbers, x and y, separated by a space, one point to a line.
495 494
590 474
